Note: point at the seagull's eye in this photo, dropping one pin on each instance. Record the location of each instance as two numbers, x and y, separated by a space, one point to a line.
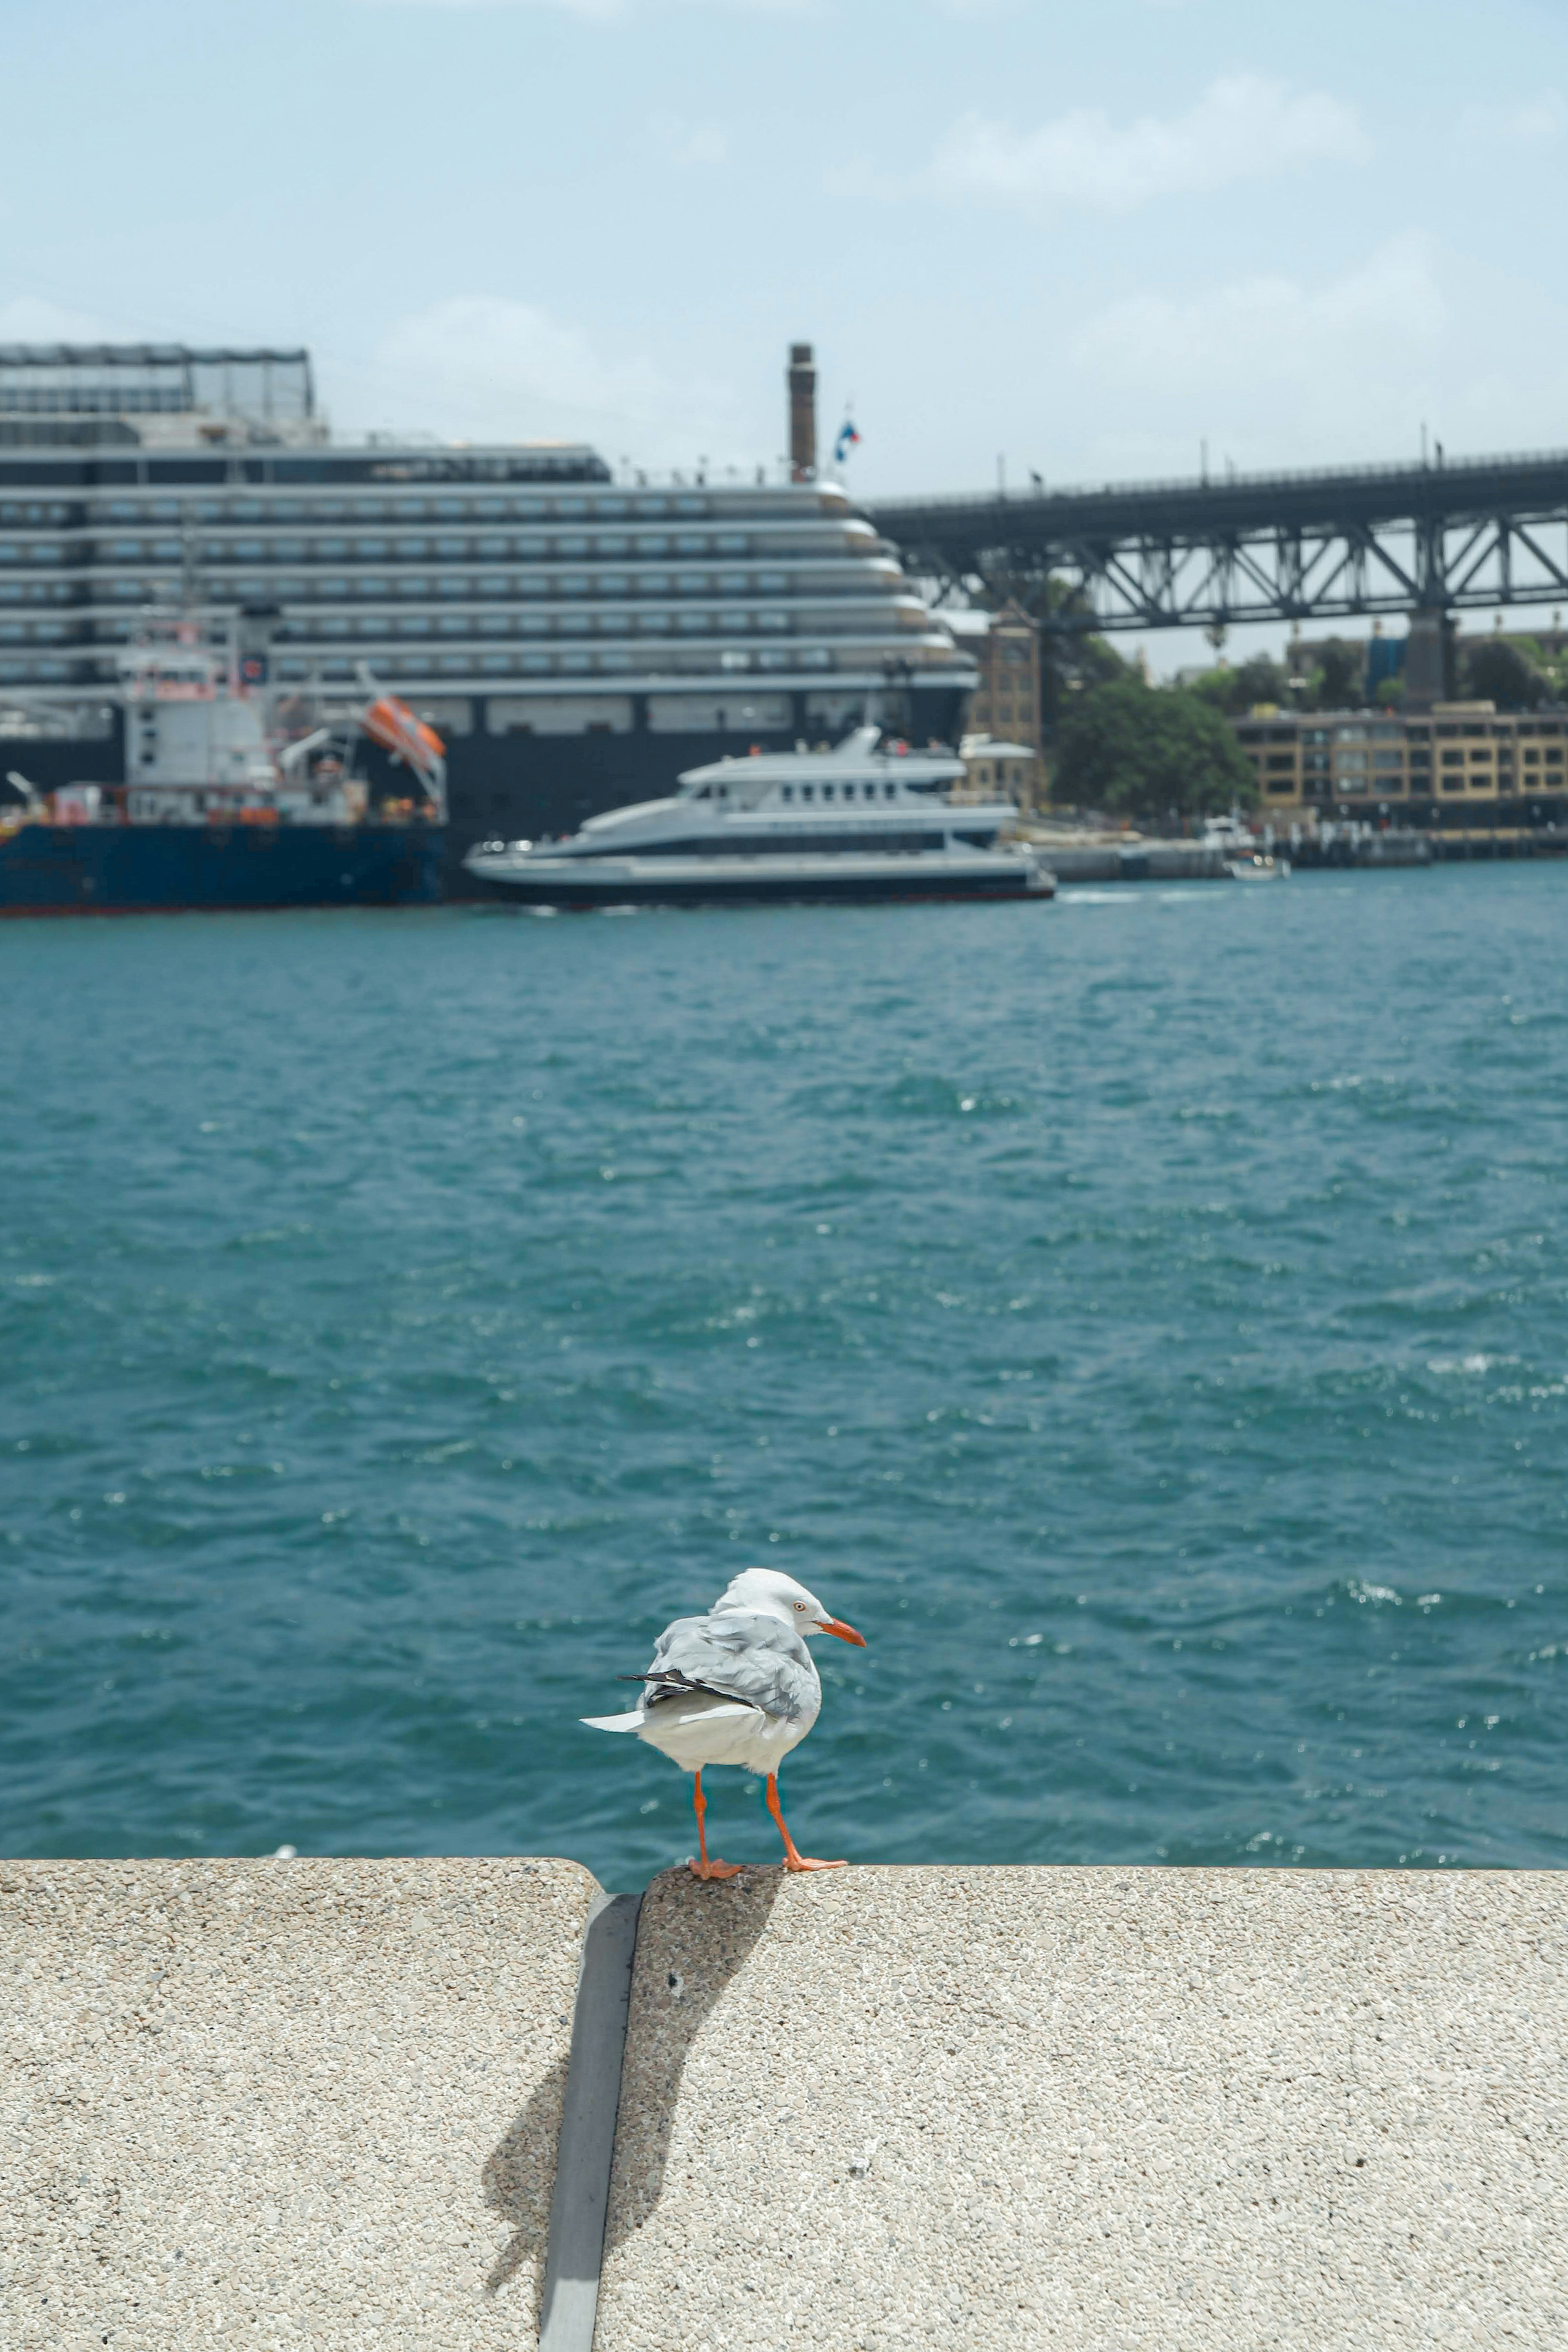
800 1604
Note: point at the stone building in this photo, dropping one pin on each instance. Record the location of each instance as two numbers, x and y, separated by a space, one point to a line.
1005 709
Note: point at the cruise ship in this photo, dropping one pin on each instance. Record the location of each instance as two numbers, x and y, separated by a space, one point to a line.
577 638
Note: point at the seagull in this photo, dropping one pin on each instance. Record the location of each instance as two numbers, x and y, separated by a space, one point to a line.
737 1686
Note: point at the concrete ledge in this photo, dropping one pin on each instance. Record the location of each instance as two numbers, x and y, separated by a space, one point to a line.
1113 2108
281 2103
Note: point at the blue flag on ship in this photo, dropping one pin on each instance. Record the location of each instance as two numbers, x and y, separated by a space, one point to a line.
847 439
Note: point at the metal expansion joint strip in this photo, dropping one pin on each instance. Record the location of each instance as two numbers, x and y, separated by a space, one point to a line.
575 2250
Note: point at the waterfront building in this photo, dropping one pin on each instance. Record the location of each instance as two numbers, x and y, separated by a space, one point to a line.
999 770
1448 768
1005 648
577 638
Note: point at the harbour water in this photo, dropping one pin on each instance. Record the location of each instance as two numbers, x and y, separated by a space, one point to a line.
1144 1317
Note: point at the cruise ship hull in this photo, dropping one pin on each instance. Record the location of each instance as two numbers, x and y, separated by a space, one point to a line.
108 869
845 878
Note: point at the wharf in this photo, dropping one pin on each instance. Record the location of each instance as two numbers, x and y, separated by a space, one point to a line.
320 2103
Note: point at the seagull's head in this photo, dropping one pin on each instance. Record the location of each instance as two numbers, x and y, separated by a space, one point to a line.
765 1593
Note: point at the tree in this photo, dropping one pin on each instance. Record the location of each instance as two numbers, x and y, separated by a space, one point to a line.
1259 679
1495 671
1140 750
1337 680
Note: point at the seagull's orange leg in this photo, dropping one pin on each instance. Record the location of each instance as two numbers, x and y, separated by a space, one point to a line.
793 1861
705 1869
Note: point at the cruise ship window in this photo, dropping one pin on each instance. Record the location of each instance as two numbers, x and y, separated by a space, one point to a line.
492 587
331 550
333 588
373 586
415 584
449 507
654 545
492 547
248 550
412 547
120 551
731 583
731 544
576 545
656 583
248 510
290 551
691 584
691 542
454 585
612 584
373 548
451 547
575 584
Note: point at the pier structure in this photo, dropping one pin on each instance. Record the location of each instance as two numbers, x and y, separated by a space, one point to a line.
453 2103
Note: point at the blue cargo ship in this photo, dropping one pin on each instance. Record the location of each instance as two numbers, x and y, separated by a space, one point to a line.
221 807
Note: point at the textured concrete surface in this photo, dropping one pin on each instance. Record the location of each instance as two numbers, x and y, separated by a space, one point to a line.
280 2103
986 2108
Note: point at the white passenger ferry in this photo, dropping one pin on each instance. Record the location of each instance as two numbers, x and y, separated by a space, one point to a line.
870 820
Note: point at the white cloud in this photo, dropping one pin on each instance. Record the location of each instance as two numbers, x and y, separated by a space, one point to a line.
1244 127
486 367
26 319
1271 329
1537 122
690 144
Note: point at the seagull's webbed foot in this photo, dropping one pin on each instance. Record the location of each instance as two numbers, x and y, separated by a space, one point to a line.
794 1859
718 1869
804 1861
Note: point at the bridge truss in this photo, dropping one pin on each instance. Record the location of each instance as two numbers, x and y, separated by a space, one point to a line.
1448 537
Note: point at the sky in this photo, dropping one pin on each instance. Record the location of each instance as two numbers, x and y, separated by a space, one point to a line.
1078 242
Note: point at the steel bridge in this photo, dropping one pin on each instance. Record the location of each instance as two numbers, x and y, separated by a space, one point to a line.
1438 538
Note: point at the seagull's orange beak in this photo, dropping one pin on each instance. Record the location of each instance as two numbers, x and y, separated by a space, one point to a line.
845 1633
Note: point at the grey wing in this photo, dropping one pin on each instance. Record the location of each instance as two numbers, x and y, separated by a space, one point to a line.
751 1658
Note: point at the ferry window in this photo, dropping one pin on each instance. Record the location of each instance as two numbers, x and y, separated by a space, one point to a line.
827 791
808 791
724 791
788 793
889 792
869 792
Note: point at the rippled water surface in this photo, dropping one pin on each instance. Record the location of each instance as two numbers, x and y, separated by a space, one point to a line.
1144 1316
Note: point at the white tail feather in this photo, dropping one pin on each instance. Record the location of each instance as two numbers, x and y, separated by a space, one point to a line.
632 1722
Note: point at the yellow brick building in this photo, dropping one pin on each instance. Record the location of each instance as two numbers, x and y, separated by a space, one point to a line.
1433 769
